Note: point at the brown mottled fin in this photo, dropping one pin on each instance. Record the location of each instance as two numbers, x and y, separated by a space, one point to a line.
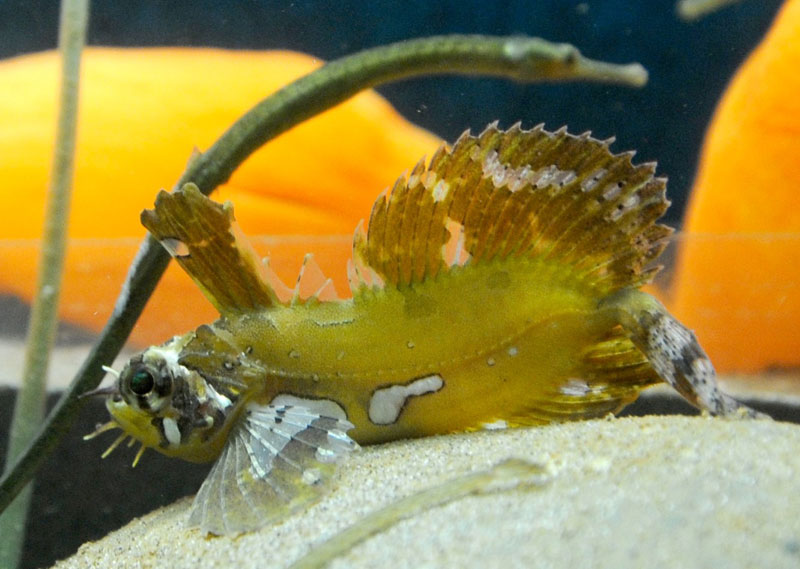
203 237
549 195
673 352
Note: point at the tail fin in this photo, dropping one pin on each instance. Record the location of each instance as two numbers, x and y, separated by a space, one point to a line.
674 352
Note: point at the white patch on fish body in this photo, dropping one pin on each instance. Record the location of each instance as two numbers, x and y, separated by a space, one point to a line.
497 425
221 401
440 191
429 180
387 403
504 174
575 388
172 432
311 476
590 181
322 407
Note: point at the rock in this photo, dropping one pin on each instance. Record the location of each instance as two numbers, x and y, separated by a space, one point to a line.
634 492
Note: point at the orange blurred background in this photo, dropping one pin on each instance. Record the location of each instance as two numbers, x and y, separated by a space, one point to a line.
142 112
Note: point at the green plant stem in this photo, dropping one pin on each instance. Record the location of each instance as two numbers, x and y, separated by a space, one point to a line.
523 59
29 407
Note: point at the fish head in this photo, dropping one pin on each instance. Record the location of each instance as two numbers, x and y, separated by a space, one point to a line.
168 404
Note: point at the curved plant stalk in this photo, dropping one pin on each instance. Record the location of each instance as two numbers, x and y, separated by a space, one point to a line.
519 58
510 474
691 10
29 406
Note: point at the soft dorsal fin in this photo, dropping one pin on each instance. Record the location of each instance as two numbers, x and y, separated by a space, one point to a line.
203 237
548 195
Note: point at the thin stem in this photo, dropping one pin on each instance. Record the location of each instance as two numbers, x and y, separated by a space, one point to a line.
29 407
523 59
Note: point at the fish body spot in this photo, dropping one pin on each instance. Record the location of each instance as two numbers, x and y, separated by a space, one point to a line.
575 388
497 425
387 403
171 431
311 476
440 191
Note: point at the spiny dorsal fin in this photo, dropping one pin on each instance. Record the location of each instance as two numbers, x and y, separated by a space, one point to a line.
312 284
203 237
283 292
532 193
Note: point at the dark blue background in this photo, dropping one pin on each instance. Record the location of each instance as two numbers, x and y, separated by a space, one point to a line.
689 64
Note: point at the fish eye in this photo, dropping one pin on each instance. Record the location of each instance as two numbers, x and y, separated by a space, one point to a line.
142 382
146 385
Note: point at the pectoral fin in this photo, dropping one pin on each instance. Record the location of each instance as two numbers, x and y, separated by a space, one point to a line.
277 460
674 352
203 237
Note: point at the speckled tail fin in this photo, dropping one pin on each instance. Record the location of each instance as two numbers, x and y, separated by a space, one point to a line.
533 194
203 237
673 352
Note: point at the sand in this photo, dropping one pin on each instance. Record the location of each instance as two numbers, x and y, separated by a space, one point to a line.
634 492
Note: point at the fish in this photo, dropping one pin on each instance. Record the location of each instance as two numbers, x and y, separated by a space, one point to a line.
497 286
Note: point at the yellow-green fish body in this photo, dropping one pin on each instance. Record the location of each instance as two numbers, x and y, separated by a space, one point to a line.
498 286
